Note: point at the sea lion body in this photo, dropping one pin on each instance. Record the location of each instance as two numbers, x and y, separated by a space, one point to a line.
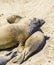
12 34
31 45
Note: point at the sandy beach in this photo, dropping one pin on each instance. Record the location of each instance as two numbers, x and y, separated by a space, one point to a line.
42 9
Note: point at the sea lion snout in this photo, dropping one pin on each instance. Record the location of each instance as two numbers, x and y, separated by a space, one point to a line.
38 22
41 22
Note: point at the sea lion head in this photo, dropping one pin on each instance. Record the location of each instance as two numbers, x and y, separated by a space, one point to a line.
35 24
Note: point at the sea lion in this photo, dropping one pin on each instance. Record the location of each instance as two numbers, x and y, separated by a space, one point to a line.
13 19
12 34
5 58
31 45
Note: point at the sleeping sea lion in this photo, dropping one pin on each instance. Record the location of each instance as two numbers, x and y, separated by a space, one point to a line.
18 33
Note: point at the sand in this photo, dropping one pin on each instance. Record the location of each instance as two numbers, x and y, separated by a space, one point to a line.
43 9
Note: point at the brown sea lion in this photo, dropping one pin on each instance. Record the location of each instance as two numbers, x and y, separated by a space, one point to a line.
12 34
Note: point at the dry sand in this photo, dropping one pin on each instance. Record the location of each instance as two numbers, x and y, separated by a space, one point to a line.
33 8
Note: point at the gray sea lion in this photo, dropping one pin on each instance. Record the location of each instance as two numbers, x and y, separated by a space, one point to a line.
31 45
5 58
12 34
